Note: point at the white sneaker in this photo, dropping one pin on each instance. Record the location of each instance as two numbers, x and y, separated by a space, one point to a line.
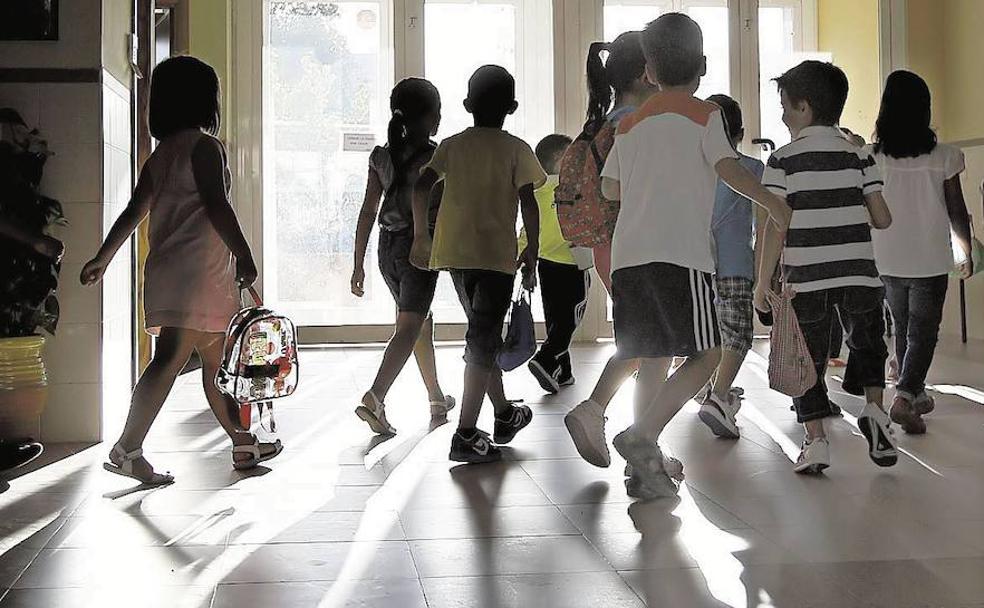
374 414
720 415
924 403
875 425
586 424
672 466
814 457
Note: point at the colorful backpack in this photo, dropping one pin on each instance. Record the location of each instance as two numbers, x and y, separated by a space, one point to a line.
587 218
259 363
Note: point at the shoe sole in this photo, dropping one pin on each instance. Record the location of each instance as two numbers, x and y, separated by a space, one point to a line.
717 426
811 469
870 430
475 458
545 380
579 435
634 488
369 418
641 472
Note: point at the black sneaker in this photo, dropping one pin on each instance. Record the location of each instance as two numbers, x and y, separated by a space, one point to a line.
477 448
546 375
566 379
513 422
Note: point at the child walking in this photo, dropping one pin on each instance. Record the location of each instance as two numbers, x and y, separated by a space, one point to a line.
393 171
664 168
732 228
485 171
616 87
198 261
564 277
833 188
914 255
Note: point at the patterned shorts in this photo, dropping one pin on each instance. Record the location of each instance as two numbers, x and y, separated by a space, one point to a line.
734 312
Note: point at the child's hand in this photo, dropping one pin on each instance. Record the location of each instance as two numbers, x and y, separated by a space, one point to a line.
358 282
527 264
93 271
965 269
420 252
761 298
49 247
245 272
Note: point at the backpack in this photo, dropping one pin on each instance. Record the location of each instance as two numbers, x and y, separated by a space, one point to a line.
587 218
259 361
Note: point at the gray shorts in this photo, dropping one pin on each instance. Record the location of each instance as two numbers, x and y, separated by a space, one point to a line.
734 313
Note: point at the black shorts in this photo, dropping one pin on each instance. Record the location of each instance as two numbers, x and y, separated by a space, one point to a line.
663 310
485 296
412 288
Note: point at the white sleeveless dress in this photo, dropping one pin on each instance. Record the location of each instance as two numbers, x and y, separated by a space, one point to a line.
189 276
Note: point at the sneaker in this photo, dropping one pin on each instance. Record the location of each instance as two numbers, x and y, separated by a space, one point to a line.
875 425
720 416
440 409
586 424
547 378
373 412
924 404
634 488
672 466
904 414
511 423
647 463
566 379
475 448
814 457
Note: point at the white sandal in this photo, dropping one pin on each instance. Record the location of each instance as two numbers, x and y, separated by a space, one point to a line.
125 468
442 407
256 456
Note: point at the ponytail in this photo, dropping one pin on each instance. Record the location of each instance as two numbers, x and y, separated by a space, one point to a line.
599 90
412 100
396 134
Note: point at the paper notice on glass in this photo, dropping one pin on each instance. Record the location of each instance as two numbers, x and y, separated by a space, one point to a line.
358 142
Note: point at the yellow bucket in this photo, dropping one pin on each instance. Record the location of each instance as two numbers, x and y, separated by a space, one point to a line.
21 365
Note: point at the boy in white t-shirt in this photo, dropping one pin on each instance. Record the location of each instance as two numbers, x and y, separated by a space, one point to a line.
664 168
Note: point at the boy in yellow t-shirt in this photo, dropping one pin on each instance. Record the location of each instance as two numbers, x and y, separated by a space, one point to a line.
488 175
564 279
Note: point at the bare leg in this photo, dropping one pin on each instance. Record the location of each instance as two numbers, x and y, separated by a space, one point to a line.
814 429
397 352
652 379
423 351
496 392
476 383
616 372
224 408
726 373
677 390
173 350
876 395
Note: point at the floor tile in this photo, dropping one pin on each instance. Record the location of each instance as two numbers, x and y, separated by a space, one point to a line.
392 593
479 557
522 591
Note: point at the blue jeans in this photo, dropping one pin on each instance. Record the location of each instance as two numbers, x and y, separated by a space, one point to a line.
917 307
860 311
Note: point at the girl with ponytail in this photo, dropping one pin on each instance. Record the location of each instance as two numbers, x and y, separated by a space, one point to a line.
393 170
616 87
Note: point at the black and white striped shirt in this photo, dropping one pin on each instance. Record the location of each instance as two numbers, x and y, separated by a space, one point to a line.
824 178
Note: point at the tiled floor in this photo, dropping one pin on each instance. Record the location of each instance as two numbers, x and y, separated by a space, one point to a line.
341 519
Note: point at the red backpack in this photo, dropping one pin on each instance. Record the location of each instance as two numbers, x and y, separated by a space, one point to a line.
587 218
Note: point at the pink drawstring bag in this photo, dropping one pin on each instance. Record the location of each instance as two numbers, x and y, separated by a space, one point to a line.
791 369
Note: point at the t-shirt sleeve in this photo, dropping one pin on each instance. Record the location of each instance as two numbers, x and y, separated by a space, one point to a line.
439 162
871 175
953 161
774 177
528 169
715 142
611 168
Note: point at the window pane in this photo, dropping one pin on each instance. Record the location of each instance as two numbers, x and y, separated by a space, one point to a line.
713 21
623 17
326 74
462 36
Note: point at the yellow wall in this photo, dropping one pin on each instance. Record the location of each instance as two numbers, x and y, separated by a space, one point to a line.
848 29
209 39
117 23
963 24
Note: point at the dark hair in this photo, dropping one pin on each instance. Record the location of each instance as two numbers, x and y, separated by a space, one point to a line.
823 86
674 46
607 80
731 111
491 93
550 149
184 94
412 100
902 129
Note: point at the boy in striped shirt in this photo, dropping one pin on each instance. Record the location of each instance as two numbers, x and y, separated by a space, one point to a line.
834 189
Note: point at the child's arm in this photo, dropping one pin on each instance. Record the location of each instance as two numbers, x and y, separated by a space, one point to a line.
611 189
370 205
136 210
956 208
767 249
208 163
881 217
420 252
744 183
531 223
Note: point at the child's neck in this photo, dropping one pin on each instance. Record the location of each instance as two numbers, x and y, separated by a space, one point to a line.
689 87
490 123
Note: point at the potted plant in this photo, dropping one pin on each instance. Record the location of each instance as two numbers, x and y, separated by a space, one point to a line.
29 269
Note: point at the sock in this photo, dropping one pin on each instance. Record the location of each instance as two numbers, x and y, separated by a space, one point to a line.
467 433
